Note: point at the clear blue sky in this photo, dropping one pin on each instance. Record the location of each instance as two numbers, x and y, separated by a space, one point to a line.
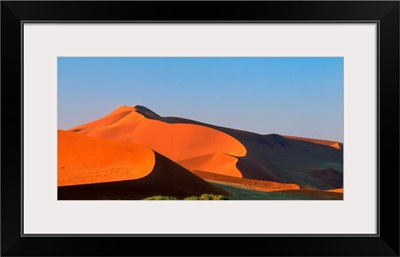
288 96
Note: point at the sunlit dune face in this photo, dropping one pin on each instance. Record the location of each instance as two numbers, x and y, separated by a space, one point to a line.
182 141
86 160
179 142
216 163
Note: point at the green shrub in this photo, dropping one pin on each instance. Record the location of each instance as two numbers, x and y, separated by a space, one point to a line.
202 197
192 198
219 197
161 197
206 197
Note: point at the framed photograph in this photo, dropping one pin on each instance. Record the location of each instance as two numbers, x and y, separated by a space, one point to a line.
271 124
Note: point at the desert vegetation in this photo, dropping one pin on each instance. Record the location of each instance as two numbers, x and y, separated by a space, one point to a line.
201 197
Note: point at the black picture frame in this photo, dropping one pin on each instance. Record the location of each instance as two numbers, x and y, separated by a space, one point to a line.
383 13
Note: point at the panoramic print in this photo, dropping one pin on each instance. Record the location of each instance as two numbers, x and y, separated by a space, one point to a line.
200 128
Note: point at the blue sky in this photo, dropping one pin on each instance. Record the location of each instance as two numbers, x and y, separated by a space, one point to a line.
288 96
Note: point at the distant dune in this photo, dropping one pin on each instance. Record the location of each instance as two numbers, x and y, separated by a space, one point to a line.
333 144
92 168
259 185
199 146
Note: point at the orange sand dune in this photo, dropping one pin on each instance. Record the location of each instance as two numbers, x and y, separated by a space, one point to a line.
179 142
198 146
91 168
260 185
333 144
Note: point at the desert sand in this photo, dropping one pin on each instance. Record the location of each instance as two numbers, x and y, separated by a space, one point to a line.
92 168
85 160
204 147
133 153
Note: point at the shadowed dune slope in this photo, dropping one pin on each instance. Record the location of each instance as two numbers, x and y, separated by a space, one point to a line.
281 159
225 151
91 168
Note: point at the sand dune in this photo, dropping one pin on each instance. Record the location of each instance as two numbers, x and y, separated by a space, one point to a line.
91 168
225 151
179 142
333 144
